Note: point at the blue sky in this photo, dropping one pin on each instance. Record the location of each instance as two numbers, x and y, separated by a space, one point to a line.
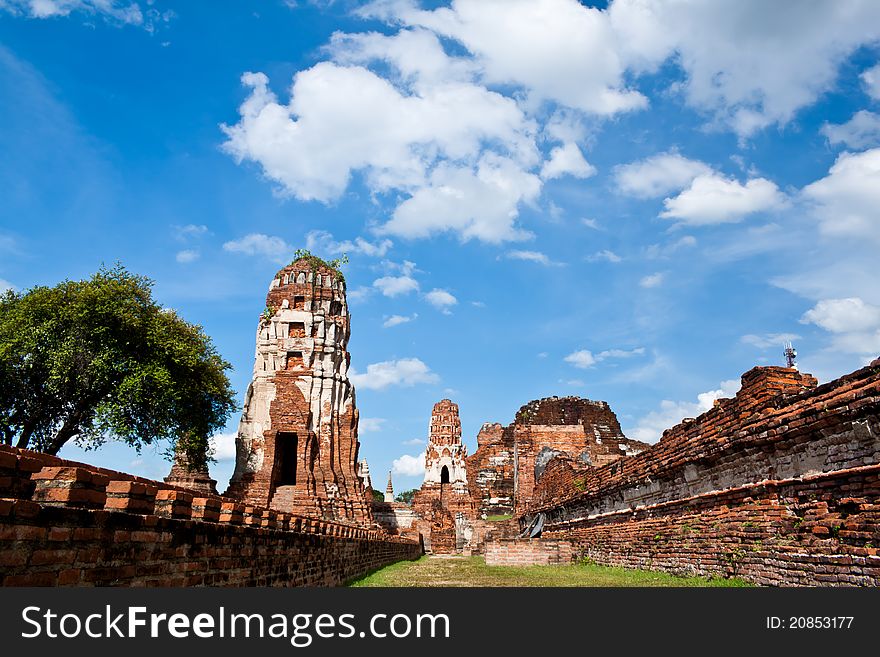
634 202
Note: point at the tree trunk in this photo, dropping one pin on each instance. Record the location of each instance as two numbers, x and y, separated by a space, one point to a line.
26 430
67 431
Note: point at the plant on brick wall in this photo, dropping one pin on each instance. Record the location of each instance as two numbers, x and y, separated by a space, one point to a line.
100 359
316 263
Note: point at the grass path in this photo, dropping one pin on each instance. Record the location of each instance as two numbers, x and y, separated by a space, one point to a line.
473 571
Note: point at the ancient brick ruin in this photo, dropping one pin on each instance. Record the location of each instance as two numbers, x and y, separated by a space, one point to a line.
297 445
64 523
779 485
509 460
443 504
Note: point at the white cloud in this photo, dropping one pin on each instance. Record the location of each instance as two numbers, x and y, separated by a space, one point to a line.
713 199
6 285
457 152
769 340
658 175
620 353
556 50
392 286
320 241
370 424
533 256
855 325
843 315
189 231
258 244
605 254
114 12
186 256
479 202
574 383
591 223
748 63
409 466
584 358
871 80
652 280
404 372
861 131
567 160
651 426
224 446
847 200
396 320
666 250
414 442
441 299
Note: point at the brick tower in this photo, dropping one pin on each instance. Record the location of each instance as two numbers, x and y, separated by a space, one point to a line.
297 444
443 502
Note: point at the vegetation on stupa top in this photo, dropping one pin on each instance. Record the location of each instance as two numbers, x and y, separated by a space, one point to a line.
316 263
100 359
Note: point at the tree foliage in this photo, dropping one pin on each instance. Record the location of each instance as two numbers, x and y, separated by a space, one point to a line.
378 496
406 496
97 359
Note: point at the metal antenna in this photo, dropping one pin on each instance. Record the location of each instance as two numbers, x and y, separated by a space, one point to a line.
790 354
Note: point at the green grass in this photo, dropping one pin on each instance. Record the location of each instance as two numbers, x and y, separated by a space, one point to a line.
506 516
473 571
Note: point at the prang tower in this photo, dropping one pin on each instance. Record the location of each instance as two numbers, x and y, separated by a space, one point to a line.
297 445
443 505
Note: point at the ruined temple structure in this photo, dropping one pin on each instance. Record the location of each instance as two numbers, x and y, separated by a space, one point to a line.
779 485
509 460
191 476
443 504
297 444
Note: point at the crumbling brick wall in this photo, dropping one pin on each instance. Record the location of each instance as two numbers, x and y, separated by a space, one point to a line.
528 552
64 523
778 485
509 460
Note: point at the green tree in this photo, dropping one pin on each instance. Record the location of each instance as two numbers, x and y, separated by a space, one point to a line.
100 359
406 496
378 496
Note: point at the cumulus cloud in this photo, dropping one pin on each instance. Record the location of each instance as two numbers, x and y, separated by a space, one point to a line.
555 50
651 426
768 340
714 199
186 256
396 320
257 244
403 283
652 280
533 256
584 358
567 160
320 241
855 325
224 446
847 201
871 80
658 175
409 466
748 64
370 424
404 372
861 131
441 300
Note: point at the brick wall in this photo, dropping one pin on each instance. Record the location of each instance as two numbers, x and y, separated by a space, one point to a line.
527 552
68 524
778 485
